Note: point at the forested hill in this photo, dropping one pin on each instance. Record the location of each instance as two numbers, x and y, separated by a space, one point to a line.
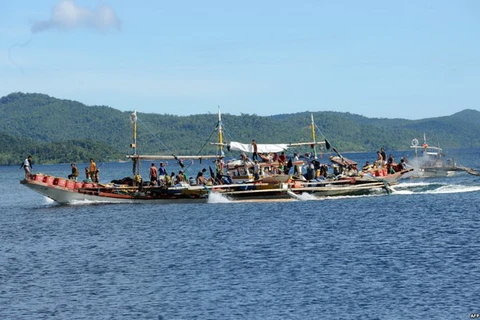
55 130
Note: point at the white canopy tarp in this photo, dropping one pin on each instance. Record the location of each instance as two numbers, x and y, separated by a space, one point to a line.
261 148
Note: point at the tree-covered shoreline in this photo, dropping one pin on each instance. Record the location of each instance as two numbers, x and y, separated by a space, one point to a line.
61 131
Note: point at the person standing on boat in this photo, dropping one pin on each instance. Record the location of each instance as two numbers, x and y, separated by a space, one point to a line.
162 172
380 159
295 167
310 174
219 165
75 172
391 164
27 166
384 155
255 150
93 170
153 175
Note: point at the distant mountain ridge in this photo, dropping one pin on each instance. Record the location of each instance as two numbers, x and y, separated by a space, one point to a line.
55 130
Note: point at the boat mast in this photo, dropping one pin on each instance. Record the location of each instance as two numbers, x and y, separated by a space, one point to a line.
219 163
133 145
313 137
220 135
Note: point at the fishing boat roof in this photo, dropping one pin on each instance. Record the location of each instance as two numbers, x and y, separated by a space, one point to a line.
268 148
262 148
236 164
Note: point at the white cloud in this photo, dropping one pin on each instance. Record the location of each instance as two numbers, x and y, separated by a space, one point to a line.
68 15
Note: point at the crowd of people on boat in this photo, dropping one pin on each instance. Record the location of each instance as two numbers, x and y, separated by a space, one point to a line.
305 167
272 164
384 164
160 177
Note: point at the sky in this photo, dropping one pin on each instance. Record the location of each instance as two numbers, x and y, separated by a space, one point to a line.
382 59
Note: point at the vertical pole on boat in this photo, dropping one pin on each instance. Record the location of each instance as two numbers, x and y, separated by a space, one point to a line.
221 154
133 145
313 137
220 134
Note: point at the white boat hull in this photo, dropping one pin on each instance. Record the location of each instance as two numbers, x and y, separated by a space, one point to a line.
71 196
431 173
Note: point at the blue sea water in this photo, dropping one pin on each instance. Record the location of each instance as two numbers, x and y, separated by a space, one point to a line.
413 254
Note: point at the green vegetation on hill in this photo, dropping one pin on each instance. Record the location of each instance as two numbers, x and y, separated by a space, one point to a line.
55 130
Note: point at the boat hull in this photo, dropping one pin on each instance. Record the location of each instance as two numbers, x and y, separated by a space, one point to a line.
112 195
316 189
67 192
432 173
390 178
435 172
335 191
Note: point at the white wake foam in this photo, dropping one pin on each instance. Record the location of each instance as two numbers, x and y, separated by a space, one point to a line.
307 197
215 197
452 188
413 184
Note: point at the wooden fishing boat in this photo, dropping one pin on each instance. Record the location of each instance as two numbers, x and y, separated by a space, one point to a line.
75 192
271 185
69 192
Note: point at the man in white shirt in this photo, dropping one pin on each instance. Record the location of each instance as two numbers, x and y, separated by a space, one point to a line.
27 166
